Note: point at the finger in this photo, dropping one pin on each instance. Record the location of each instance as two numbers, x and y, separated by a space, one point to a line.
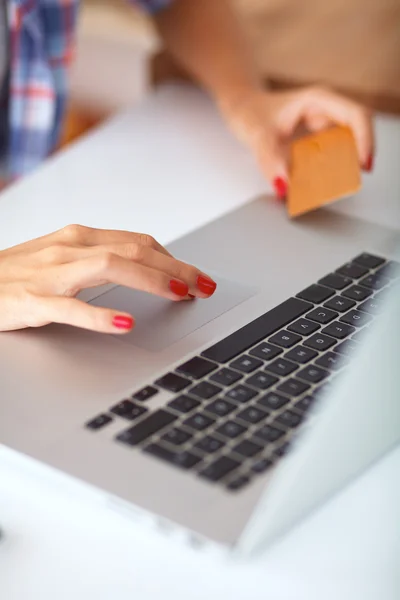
272 156
317 122
70 311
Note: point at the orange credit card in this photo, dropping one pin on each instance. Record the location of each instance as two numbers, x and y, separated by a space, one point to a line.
324 168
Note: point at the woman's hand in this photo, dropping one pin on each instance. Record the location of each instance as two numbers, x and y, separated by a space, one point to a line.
266 121
40 279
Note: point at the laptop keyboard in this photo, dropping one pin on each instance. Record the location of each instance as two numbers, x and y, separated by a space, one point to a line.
236 407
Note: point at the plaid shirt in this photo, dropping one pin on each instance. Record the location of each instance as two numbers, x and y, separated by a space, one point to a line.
42 46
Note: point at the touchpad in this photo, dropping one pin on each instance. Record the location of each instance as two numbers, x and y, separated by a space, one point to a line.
160 322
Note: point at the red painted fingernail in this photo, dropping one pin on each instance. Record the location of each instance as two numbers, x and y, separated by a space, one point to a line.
206 285
122 322
369 165
280 186
178 287
191 296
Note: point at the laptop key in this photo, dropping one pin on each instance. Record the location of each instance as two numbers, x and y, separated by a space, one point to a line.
173 382
128 410
246 364
338 330
145 393
304 404
184 404
226 377
304 327
293 387
346 347
98 422
320 341
335 281
322 315
257 330
352 270
301 354
185 460
261 380
316 294
197 367
230 430
267 433
237 484
247 448
140 432
209 445
356 318
219 468
262 465
273 400
289 419
330 361
391 270
369 260
340 303
205 390
282 367
252 415
356 292
198 422
372 306
312 374
375 282
286 339
176 436
241 393
266 351
282 450
220 408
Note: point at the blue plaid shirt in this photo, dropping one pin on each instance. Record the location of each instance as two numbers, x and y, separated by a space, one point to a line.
41 49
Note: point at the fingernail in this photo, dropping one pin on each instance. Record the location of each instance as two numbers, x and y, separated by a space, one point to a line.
191 296
280 186
369 165
206 285
122 322
178 287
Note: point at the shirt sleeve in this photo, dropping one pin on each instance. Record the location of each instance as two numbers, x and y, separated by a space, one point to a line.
152 6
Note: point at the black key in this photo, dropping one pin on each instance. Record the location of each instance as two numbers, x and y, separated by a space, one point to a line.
335 281
252 414
356 318
261 380
220 407
391 269
198 422
352 270
282 450
305 404
330 361
173 382
289 419
369 260
281 366
219 468
373 306
338 330
152 424
184 404
293 387
230 430
145 394
262 465
246 364
312 374
266 351
340 304
257 330
237 484
241 393
205 390
320 341
356 292
286 339
304 327
360 334
226 377
267 433
301 354
346 347
247 448
316 294
322 315
375 282
273 400
98 422
185 460
176 436
209 445
197 367
128 410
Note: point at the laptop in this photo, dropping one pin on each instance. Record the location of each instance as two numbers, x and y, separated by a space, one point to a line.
229 419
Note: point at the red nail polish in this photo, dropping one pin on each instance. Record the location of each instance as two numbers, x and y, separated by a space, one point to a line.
122 322
191 296
178 287
206 285
280 186
369 165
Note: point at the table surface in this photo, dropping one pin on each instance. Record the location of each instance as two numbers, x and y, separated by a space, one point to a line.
174 153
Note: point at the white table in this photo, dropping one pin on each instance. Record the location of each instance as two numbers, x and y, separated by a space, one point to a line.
166 169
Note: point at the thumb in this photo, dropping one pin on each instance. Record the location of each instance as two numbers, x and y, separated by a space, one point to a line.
273 156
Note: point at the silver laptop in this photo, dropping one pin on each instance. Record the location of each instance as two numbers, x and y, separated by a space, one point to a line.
231 418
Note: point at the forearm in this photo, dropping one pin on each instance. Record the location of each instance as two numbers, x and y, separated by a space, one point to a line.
205 38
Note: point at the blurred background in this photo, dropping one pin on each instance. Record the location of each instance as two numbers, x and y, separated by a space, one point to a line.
351 45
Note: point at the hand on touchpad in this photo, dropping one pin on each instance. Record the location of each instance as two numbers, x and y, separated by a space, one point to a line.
160 323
